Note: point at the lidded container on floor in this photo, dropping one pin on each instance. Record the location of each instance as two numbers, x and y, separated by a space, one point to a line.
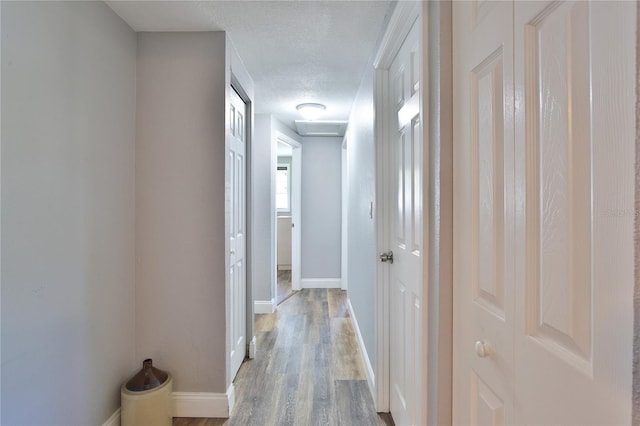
146 398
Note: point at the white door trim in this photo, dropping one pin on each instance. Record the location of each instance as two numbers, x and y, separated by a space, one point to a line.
237 77
438 276
296 216
345 215
403 18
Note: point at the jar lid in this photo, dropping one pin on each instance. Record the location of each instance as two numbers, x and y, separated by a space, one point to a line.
147 378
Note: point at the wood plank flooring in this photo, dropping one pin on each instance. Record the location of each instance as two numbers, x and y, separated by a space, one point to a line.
308 369
284 286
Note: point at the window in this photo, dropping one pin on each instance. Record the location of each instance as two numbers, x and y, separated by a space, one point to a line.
283 192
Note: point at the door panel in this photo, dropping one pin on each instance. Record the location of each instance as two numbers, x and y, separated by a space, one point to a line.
486 407
575 78
483 216
558 198
237 237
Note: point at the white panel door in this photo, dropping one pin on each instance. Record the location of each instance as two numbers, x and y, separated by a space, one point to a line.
543 221
483 216
575 84
406 237
237 237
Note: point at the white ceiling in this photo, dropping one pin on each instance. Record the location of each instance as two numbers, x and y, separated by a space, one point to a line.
296 51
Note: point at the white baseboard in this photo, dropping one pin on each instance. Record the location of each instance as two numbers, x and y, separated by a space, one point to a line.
264 306
321 283
203 404
253 347
114 420
371 377
231 396
284 267
194 404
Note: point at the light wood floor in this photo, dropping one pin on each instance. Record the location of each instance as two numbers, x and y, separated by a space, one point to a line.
308 369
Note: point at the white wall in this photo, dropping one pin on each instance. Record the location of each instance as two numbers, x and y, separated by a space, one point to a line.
180 208
321 207
68 133
361 239
263 208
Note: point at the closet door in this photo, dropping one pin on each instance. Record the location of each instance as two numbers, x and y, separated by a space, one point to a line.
483 217
544 119
237 327
575 94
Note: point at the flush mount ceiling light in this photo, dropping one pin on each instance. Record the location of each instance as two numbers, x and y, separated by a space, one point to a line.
311 110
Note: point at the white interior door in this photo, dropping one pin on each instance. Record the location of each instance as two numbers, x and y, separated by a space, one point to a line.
543 221
296 216
237 237
483 216
406 237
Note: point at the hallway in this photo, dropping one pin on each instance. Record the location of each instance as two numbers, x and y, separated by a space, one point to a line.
308 369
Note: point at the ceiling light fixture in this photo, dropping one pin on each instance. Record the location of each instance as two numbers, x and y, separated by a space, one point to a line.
311 110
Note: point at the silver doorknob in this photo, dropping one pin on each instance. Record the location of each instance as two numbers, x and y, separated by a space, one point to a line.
232 252
387 257
483 349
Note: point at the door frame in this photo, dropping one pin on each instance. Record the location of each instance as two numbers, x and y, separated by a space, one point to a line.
344 266
635 416
237 78
296 215
436 115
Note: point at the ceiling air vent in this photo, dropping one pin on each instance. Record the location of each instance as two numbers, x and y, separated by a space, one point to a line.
321 128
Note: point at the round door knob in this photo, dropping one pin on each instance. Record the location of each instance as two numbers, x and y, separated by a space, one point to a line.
483 349
232 252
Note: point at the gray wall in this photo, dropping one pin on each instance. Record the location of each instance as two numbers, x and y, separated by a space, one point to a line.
180 209
361 238
321 207
68 133
263 208
636 293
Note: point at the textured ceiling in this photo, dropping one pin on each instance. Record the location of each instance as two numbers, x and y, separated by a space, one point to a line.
296 51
